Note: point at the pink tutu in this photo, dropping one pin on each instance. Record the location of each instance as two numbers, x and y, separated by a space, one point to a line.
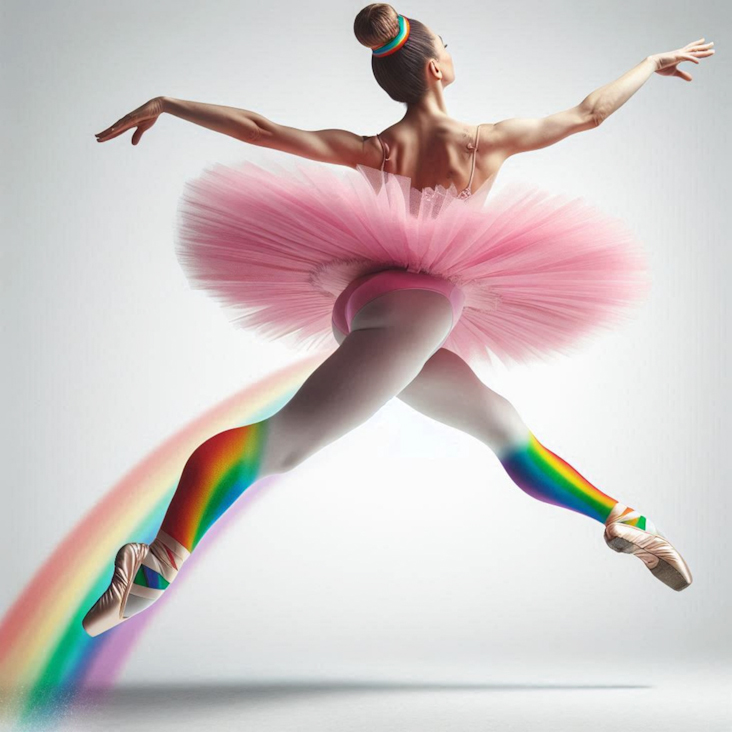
275 248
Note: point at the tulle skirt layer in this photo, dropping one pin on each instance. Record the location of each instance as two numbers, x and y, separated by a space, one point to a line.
541 272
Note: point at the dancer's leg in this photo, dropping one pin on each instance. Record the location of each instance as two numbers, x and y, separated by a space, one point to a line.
391 338
449 391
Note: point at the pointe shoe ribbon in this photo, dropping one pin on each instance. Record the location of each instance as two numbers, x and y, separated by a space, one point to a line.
166 556
649 545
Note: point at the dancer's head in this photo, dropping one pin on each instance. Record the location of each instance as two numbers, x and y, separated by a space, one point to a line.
420 63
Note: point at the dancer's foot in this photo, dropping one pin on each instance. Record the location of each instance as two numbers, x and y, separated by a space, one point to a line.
141 575
648 544
107 610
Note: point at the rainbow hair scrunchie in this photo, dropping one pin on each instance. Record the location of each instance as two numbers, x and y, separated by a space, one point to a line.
396 43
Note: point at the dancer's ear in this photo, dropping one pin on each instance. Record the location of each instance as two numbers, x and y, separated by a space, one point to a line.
434 70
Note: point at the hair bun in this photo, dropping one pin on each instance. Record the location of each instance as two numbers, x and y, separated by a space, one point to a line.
376 25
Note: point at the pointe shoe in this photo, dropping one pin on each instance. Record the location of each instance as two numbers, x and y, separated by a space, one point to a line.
650 546
106 612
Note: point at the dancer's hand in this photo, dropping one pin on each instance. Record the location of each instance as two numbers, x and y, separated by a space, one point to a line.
143 118
667 63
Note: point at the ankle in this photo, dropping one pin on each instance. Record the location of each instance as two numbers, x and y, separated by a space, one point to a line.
170 553
160 566
627 515
616 512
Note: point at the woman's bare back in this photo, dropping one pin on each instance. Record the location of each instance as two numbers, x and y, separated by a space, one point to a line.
441 155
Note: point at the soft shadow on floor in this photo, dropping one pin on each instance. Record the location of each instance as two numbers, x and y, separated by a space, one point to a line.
601 703
201 694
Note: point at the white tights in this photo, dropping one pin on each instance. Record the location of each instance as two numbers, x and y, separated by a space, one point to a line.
392 350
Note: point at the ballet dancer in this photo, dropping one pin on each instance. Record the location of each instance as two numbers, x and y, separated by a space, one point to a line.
410 274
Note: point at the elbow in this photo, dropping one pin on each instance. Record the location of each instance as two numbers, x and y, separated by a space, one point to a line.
589 115
597 117
249 131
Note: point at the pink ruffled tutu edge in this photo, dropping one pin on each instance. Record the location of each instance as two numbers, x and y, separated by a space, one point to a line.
542 273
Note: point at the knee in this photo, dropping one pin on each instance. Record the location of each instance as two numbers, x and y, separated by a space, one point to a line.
503 425
291 443
292 459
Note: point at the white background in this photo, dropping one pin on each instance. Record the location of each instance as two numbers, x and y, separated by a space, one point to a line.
402 550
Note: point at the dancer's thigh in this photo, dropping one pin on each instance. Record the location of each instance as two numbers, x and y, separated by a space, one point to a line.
391 338
449 391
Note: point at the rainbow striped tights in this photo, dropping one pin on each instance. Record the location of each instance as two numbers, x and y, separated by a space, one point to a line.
443 388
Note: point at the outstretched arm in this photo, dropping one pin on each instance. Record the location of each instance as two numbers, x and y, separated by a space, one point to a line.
339 147
522 134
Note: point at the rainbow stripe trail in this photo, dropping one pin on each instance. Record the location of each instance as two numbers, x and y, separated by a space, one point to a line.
47 662
546 477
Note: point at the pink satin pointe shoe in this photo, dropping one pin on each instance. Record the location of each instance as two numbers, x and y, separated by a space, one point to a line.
649 545
107 610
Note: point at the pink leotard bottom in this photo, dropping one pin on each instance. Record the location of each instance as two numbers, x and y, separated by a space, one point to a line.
364 289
